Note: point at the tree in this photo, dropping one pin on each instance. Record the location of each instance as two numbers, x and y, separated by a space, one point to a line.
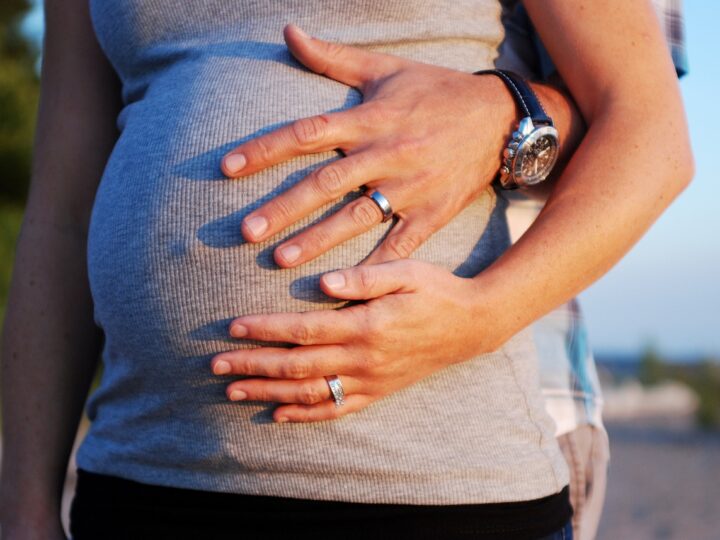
707 385
652 367
19 90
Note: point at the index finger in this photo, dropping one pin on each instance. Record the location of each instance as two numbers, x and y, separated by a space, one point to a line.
310 135
310 328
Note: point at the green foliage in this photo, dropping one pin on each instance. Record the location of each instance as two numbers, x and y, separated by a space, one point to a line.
19 91
702 377
10 219
18 104
12 42
707 386
652 367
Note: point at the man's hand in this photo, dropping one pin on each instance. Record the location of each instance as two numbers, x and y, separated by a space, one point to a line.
428 138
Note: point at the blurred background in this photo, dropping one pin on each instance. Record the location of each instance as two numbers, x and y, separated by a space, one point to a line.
652 320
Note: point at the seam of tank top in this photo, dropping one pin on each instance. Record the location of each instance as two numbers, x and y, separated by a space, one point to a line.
529 413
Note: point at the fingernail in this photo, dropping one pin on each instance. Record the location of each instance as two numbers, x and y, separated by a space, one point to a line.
282 419
257 225
235 162
290 253
237 395
221 368
334 280
238 331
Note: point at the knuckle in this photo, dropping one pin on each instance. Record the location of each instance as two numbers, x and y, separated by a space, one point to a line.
403 245
263 152
372 363
329 182
300 333
263 394
407 147
279 211
309 131
364 365
365 212
318 238
373 332
295 370
242 366
309 395
367 277
263 334
254 392
377 114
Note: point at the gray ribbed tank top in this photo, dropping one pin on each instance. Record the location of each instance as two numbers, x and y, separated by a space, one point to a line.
168 268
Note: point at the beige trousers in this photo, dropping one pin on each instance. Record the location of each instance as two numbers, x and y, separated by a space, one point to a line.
587 452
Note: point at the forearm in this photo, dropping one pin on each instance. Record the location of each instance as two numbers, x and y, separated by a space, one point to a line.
50 343
599 208
633 161
49 353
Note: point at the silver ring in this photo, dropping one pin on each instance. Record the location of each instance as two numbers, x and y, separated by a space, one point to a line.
383 204
336 389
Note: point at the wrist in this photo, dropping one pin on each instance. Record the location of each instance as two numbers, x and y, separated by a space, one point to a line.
493 119
491 320
566 117
20 507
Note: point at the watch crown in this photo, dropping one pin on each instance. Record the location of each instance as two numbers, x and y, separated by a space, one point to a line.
504 170
509 152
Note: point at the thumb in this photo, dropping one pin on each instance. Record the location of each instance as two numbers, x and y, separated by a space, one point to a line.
368 281
345 64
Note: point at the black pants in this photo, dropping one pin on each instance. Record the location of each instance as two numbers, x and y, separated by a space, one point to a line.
109 508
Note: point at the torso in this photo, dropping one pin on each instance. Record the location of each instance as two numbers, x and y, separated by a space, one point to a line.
168 269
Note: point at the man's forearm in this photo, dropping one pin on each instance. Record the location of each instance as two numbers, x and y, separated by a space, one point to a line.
633 161
600 206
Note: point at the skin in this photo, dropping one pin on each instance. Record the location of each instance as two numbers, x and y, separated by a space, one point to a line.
403 140
418 318
572 243
50 343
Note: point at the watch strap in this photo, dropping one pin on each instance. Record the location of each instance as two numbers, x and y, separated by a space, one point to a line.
523 94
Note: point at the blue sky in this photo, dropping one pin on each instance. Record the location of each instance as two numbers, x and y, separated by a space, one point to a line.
666 291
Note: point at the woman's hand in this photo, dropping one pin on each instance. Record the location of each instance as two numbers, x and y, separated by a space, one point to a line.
419 319
428 138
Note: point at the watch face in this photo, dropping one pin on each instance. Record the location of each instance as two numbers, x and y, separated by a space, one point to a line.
536 156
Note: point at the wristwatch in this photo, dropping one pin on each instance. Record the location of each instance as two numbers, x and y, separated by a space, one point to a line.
533 149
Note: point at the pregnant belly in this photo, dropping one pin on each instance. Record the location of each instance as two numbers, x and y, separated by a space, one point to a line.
167 264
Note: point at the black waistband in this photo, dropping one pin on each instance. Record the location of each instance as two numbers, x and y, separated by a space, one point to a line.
114 508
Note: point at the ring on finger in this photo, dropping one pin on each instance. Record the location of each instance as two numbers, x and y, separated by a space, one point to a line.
336 389
382 203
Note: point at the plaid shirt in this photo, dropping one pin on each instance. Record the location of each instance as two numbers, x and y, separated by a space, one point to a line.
568 376
671 20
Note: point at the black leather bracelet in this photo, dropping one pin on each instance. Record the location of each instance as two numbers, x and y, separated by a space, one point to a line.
524 96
